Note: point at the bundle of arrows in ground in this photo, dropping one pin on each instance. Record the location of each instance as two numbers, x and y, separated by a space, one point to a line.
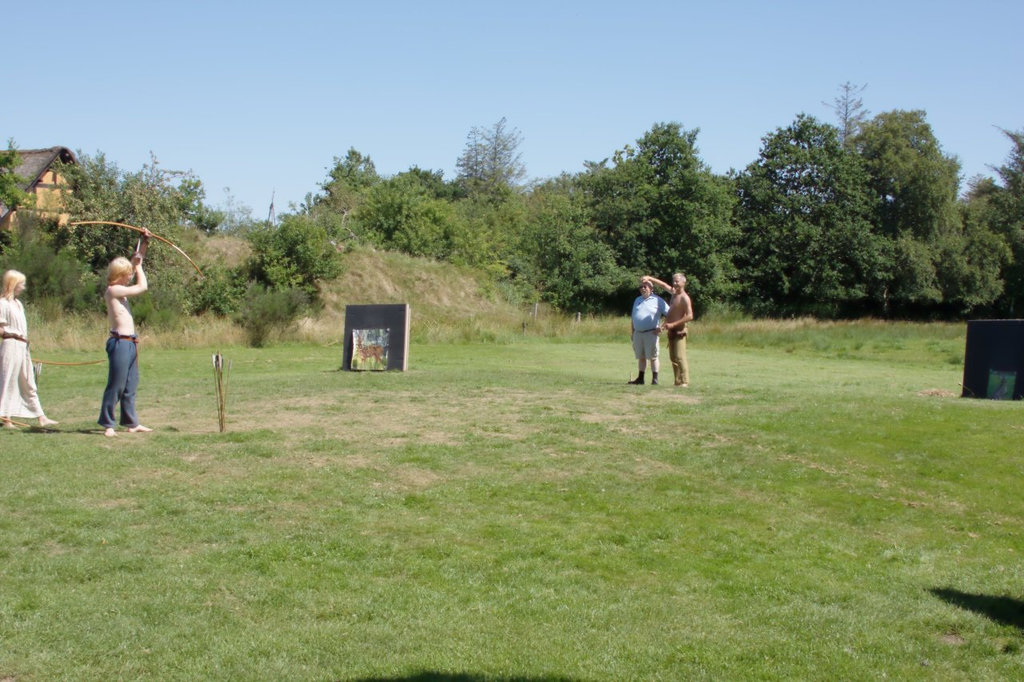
220 375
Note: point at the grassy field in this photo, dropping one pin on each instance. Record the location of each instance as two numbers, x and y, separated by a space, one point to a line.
819 504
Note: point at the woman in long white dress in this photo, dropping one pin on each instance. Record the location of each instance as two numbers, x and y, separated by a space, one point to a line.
18 395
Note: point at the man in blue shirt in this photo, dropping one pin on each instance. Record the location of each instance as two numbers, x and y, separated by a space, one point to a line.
645 326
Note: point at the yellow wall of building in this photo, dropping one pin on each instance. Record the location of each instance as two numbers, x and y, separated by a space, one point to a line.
49 192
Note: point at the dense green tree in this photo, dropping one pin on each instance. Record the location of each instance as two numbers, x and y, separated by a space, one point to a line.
356 171
400 214
11 194
488 230
434 184
167 202
970 271
914 182
971 276
914 186
661 210
913 278
297 254
619 197
347 183
415 212
804 209
1008 221
220 291
191 197
491 164
559 254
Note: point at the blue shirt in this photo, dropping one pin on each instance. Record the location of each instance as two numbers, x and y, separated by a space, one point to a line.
647 312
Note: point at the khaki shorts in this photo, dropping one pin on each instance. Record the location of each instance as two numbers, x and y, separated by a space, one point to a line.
645 345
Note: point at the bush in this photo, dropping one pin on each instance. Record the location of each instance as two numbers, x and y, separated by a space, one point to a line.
265 311
160 308
57 277
219 292
295 255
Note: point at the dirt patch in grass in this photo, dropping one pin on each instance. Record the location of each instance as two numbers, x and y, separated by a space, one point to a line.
116 504
414 478
937 393
647 467
624 408
952 639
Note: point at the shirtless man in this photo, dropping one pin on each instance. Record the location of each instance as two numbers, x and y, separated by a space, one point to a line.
122 345
680 311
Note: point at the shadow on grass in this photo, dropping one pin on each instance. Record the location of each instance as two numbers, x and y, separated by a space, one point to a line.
460 677
1005 610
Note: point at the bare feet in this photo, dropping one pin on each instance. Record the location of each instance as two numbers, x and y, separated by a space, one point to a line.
8 424
109 433
46 421
139 428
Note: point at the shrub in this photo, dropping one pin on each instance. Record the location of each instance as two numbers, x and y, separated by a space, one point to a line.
295 255
265 311
219 292
53 276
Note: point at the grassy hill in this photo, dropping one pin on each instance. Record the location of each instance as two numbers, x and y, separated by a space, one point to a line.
452 304
448 302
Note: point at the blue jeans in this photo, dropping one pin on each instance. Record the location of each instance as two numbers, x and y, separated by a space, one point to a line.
122 383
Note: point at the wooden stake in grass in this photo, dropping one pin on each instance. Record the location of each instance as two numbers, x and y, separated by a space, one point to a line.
220 377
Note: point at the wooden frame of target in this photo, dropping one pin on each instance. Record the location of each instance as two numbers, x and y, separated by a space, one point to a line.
376 337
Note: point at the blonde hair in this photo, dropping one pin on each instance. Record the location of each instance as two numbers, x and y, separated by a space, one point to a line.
12 278
118 269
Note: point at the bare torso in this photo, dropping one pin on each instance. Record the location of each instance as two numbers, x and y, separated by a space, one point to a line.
678 307
119 316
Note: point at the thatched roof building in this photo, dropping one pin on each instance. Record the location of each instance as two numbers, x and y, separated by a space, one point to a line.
39 178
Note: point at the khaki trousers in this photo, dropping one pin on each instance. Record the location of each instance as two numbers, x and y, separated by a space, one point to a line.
677 354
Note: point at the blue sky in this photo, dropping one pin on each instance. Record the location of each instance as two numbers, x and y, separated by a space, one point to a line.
260 97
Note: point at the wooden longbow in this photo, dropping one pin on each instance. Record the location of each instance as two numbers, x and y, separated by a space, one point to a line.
141 230
33 426
67 364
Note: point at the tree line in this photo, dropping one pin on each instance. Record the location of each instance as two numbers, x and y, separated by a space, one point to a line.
863 218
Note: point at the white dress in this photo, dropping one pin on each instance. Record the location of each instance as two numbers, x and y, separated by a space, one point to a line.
18 395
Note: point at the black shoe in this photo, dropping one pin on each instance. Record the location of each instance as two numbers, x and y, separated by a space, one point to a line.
638 381
654 382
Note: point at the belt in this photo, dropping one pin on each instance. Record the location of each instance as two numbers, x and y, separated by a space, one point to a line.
16 337
644 331
123 337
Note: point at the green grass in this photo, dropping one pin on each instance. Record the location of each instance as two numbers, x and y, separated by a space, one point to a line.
820 504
